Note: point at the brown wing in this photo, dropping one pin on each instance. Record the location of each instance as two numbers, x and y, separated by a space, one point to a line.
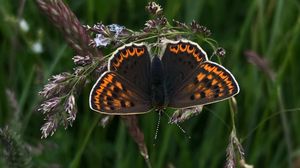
209 83
114 95
180 59
132 61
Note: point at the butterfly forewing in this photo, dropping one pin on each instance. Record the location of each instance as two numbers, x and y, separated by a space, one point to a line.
112 94
132 62
180 59
209 83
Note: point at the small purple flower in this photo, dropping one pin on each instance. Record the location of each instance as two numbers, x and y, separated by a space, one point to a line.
101 41
116 29
49 105
49 128
155 23
101 28
78 70
82 60
70 107
220 52
180 24
55 85
150 23
60 77
153 8
197 28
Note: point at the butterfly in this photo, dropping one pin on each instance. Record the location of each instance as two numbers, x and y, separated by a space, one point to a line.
137 83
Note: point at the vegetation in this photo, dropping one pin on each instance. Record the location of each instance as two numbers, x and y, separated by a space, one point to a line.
261 39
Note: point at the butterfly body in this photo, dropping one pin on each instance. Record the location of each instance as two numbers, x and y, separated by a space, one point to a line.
182 77
158 86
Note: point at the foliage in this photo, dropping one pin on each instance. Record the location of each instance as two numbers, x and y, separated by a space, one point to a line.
260 38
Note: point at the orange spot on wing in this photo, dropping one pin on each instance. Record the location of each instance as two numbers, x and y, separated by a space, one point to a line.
174 49
109 78
104 83
119 85
120 59
190 49
197 95
99 91
105 98
200 87
221 87
214 82
97 106
117 103
131 53
127 104
109 93
124 55
209 68
96 100
209 76
229 85
200 76
220 94
227 81
197 56
97 96
140 52
124 96
216 71
199 59
183 47
209 93
222 75
116 65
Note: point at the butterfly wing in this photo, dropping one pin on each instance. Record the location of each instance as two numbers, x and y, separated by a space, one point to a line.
180 59
125 88
132 61
209 83
114 95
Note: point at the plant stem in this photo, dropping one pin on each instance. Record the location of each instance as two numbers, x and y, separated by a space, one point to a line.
286 130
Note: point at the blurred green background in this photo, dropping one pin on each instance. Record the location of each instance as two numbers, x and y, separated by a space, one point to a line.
268 111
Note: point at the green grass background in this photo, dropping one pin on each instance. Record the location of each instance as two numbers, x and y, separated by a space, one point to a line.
271 28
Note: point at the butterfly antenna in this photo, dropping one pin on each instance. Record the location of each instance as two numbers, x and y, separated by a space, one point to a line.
157 127
183 131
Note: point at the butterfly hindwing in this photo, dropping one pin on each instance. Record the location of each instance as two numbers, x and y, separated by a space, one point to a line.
114 95
132 61
209 83
180 59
